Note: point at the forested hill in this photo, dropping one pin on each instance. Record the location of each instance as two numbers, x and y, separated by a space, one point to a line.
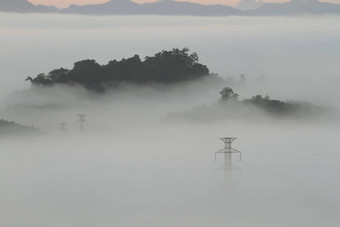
164 67
10 127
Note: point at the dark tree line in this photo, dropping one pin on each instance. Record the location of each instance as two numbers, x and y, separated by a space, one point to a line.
164 67
10 127
276 107
272 106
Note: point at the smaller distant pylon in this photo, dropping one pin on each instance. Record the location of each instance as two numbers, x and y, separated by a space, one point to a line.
63 126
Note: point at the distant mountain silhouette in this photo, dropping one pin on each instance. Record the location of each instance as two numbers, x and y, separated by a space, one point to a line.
248 4
23 6
164 7
296 7
172 7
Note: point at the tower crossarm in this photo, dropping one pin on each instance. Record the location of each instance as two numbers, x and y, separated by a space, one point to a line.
228 139
228 149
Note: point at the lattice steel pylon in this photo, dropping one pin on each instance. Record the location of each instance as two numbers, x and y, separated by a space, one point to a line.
63 126
228 150
81 121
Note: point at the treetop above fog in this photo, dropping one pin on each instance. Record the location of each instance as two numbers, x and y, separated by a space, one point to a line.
176 65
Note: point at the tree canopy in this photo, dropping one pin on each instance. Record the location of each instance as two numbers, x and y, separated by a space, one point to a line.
271 106
172 66
10 127
228 95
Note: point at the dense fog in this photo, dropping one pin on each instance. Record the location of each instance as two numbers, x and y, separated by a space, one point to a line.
146 156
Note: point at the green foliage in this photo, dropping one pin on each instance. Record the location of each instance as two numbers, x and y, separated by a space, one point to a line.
228 95
164 67
272 106
10 127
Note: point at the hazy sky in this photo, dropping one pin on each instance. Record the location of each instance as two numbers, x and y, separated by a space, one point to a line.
66 3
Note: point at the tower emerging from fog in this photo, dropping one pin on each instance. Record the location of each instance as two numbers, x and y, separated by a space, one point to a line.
81 122
228 151
62 126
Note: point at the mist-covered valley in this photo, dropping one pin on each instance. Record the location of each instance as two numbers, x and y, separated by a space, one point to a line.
146 156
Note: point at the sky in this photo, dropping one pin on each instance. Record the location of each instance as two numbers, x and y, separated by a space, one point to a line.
66 3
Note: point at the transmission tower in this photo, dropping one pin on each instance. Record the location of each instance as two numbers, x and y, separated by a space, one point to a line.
228 151
62 126
81 122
